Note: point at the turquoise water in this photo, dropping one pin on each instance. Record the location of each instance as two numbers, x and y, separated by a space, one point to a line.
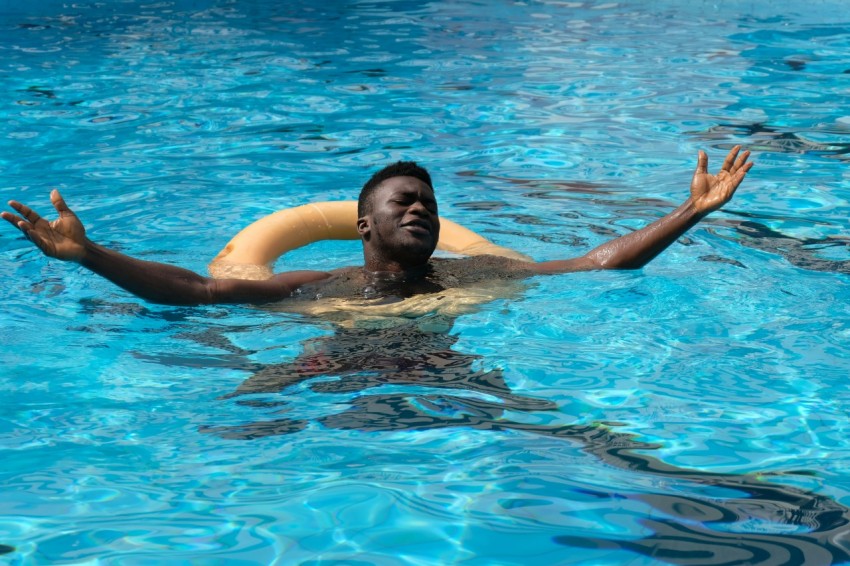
692 412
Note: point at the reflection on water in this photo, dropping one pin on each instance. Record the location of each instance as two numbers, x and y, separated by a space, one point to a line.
415 352
763 137
711 530
800 252
739 527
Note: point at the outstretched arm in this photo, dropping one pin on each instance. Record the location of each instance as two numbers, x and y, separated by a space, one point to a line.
65 239
632 251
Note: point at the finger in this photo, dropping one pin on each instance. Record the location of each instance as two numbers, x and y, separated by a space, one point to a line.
702 163
24 226
740 174
25 211
741 160
58 202
12 219
730 158
29 232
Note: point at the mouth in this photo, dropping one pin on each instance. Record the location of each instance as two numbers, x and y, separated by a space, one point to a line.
418 227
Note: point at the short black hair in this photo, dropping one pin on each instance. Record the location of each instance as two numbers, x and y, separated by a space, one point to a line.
397 169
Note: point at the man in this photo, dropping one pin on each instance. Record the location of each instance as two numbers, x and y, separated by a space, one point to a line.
399 226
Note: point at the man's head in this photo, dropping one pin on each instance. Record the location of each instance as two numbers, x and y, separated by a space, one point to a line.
397 169
397 218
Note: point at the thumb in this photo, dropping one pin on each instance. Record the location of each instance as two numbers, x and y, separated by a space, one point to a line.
702 163
59 203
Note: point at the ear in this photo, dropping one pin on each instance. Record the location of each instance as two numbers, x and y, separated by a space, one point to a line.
363 227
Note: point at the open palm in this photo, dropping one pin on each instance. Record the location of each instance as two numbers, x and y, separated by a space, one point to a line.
710 192
63 238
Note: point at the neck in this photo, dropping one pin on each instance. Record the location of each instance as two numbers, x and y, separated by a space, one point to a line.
376 261
395 272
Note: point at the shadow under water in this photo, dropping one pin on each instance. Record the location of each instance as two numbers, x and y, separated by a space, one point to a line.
767 523
404 373
762 137
799 252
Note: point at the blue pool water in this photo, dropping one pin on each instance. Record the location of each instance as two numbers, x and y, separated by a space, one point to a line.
692 412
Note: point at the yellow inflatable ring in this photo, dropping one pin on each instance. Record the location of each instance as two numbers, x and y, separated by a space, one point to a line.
253 251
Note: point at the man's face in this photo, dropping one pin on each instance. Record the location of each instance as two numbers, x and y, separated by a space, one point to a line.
403 226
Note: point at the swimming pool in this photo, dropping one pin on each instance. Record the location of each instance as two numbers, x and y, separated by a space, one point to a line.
691 412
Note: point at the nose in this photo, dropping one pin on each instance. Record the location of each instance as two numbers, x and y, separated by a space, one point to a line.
418 208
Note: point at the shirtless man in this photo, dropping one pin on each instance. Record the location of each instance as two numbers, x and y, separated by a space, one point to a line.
399 226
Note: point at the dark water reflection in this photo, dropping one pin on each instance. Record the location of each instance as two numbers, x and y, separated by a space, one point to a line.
686 528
